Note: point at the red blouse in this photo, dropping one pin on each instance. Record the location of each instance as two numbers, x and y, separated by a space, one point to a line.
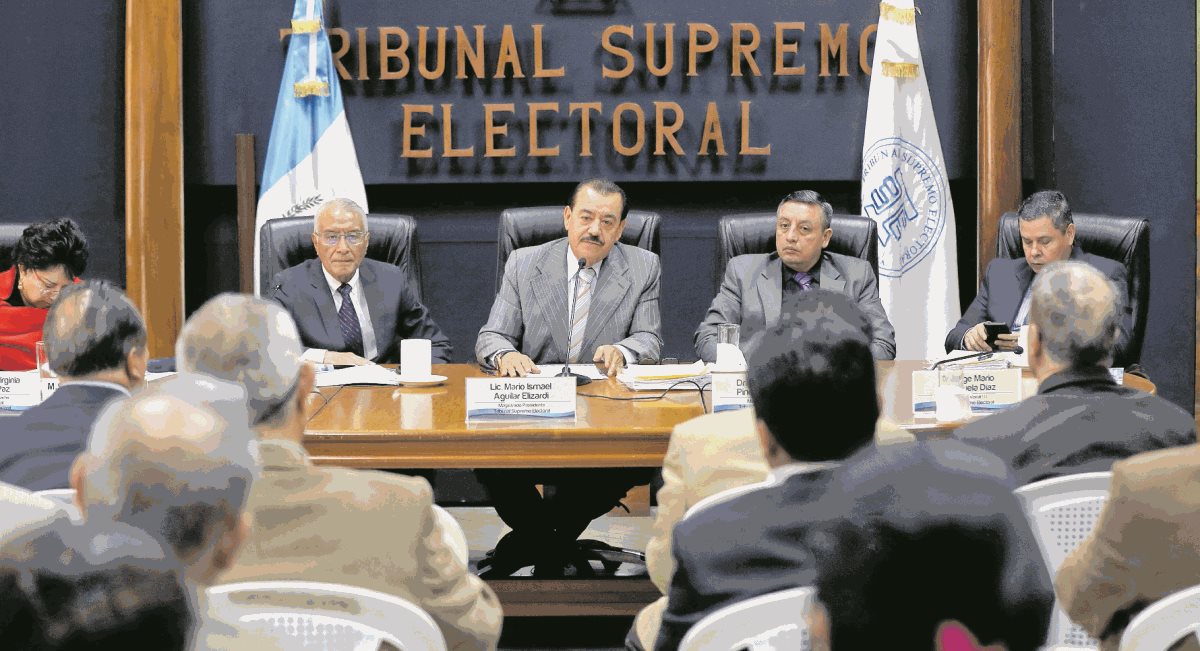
20 327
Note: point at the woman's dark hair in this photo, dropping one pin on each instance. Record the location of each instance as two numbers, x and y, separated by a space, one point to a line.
52 243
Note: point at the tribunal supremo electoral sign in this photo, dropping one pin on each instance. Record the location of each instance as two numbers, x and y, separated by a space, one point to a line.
520 398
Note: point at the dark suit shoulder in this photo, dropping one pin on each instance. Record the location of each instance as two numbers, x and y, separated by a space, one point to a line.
1004 266
384 271
301 273
750 262
1107 266
846 263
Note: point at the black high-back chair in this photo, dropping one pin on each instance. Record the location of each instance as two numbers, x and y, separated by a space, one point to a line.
853 235
1124 239
521 227
286 242
9 234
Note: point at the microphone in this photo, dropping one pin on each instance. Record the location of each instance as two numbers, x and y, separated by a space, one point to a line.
580 380
984 355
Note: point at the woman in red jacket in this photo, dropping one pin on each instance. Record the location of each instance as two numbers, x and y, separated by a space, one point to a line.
47 258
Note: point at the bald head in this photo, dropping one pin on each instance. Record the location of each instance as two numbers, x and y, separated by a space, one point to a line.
170 465
92 328
262 353
1075 309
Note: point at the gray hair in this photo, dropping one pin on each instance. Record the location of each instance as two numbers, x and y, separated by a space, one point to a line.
1047 203
91 328
345 205
173 462
252 342
811 198
1076 311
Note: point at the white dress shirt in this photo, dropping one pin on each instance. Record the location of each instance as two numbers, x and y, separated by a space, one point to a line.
572 271
359 301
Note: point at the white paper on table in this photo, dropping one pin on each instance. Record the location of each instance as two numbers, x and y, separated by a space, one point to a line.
663 376
588 370
150 377
367 374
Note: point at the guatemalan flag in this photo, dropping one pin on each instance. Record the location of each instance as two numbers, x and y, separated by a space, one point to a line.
310 156
904 190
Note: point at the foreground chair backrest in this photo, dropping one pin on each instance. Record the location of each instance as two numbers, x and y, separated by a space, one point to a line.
301 613
1164 622
1062 512
770 621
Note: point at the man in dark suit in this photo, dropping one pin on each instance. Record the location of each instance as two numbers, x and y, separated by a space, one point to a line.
1047 236
617 322
933 548
1081 420
759 287
812 382
351 310
96 343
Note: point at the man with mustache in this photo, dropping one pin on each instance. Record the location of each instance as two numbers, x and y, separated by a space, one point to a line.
351 310
759 287
617 323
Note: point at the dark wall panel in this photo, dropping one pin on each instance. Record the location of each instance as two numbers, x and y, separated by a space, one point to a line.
62 143
1124 142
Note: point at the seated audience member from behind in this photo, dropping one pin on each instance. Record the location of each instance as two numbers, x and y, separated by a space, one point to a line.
351 309
96 342
386 538
1081 420
46 259
617 322
1047 236
812 382
759 287
934 552
707 455
179 471
1145 546
104 593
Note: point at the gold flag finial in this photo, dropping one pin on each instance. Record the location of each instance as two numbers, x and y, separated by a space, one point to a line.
896 14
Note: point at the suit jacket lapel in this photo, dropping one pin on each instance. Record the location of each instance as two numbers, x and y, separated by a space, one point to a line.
769 285
548 286
1024 280
612 286
831 276
323 303
382 322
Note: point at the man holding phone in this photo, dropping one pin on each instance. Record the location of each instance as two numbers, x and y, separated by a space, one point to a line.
1001 308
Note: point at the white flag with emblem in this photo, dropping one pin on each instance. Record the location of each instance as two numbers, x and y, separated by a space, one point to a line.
310 156
905 190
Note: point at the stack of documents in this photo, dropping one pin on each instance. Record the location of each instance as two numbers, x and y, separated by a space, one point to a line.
663 376
368 374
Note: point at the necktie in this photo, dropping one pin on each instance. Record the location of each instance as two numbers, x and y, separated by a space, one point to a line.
583 299
803 280
348 320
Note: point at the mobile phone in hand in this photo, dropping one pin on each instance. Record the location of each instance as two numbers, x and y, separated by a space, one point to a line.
994 329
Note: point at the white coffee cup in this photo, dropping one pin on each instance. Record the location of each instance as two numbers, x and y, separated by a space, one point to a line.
415 358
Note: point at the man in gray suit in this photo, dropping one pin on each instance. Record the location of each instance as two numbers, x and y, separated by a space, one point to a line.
617 322
758 287
351 310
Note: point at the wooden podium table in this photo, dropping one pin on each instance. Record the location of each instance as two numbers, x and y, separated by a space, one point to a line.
402 427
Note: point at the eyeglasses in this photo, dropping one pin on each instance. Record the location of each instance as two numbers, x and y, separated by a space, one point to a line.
353 238
47 287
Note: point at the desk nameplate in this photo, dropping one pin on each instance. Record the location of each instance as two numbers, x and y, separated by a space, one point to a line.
496 398
988 390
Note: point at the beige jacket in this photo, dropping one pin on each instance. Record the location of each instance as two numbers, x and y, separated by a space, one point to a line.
706 455
364 528
1145 546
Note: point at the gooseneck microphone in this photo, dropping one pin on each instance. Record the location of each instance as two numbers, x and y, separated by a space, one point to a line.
984 355
580 380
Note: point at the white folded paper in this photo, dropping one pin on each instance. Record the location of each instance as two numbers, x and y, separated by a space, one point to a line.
367 374
664 376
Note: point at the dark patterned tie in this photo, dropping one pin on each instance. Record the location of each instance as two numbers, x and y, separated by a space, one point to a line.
348 320
803 280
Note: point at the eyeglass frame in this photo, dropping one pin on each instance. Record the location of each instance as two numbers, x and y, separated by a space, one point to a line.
54 289
324 237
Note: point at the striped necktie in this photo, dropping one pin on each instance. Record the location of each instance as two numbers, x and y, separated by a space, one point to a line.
583 299
348 320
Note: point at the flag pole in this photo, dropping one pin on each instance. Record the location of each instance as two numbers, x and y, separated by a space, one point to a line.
247 200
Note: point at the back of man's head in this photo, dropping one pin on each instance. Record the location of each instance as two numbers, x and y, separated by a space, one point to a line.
174 467
1076 311
929 533
262 353
812 379
92 328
